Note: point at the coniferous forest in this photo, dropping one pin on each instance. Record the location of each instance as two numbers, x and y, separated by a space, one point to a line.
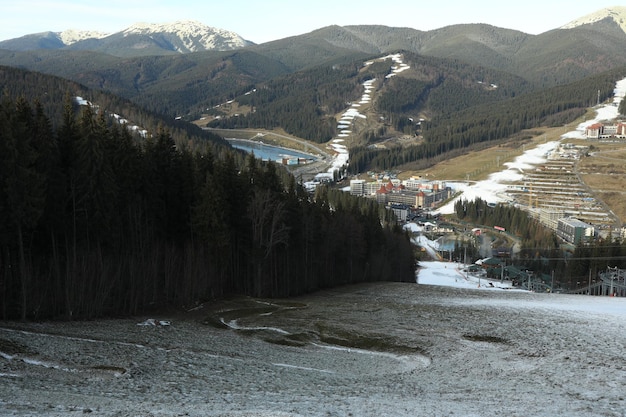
94 222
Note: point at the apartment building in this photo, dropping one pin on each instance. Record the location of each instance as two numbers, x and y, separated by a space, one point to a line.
574 231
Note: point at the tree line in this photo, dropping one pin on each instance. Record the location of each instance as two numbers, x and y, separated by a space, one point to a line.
95 222
515 220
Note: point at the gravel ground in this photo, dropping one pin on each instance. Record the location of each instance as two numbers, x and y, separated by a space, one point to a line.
368 350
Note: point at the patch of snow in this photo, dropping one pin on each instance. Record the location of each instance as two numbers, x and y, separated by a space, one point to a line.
451 274
603 112
495 186
304 368
154 322
71 36
233 324
616 13
192 33
81 101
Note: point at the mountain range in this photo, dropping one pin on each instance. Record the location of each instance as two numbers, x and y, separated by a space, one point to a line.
192 36
137 40
187 69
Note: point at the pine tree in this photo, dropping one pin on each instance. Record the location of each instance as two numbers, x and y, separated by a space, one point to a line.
23 189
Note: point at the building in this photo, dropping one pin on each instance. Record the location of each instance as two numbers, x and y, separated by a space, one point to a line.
430 199
388 194
418 194
550 217
594 131
357 187
368 189
401 211
423 185
574 231
605 131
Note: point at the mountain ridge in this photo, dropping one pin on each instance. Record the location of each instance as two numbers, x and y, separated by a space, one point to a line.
71 36
616 13
183 36
187 36
133 63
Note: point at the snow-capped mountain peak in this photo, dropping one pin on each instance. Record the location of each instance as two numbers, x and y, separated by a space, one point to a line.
617 13
192 35
71 36
139 39
181 26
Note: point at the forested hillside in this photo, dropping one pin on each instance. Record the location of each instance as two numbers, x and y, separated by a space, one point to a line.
94 222
52 93
306 103
168 85
465 106
453 133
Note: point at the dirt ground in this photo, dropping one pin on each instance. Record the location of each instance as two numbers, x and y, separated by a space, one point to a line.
368 350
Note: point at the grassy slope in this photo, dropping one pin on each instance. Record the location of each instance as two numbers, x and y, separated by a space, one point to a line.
604 171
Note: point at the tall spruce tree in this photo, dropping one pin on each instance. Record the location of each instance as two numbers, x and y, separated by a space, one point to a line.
23 192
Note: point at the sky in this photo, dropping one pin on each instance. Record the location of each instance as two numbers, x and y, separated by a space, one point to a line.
263 21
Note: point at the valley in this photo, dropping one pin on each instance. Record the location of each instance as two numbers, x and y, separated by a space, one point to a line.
457 105
154 272
567 184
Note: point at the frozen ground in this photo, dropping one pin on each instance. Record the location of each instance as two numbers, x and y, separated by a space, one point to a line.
380 349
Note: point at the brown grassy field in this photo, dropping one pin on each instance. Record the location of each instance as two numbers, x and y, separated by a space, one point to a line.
476 166
604 171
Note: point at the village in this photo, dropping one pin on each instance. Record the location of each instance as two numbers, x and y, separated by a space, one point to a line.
543 182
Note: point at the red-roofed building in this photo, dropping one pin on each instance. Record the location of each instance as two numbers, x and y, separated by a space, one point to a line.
600 131
594 131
